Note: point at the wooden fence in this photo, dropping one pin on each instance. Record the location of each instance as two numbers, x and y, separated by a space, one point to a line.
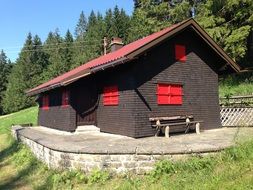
236 116
237 100
237 111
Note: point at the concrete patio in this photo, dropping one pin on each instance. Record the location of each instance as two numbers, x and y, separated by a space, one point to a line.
121 154
103 143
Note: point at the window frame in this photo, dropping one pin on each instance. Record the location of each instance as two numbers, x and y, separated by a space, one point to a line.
45 102
111 95
65 101
169 94
180 53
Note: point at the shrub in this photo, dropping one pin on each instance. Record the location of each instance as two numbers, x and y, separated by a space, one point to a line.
24 157
241 152
194 164
99 176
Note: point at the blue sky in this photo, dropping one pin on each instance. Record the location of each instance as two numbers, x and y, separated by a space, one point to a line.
18 17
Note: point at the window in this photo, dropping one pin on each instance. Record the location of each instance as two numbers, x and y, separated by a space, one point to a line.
111 96
169 94
45 102
180 53
65 98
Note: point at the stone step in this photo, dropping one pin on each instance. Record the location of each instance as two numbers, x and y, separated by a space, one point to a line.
87 128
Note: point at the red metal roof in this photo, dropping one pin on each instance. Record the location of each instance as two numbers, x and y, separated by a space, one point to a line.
122 52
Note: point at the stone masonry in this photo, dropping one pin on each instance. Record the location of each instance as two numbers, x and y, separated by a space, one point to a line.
50 149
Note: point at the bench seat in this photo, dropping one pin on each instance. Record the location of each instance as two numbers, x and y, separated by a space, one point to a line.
175 124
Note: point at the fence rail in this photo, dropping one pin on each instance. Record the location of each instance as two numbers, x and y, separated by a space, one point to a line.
237 100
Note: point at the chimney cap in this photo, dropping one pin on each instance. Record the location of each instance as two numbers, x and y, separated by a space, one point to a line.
116 40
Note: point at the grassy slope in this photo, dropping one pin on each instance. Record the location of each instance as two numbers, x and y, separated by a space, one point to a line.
236 85
242 88
24 116
232 169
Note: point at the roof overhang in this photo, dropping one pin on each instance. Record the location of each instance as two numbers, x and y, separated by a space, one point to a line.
78 76
64 82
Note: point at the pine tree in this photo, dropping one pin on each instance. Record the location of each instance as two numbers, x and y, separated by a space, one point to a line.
60 52
94 36
229 23
111 30
39 60
54 48
81 27
121 22
117 23
79 45
153 15
5 67
68 51
25 75
148 18
136 4
92 20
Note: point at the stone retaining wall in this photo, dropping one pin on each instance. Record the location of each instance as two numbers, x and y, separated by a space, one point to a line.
119 163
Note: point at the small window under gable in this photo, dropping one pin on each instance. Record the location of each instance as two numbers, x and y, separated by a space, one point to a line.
180 53
111 96
45 102
169 94
65 98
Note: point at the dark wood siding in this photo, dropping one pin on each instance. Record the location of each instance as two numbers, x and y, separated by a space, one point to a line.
197 75
117 119
57 117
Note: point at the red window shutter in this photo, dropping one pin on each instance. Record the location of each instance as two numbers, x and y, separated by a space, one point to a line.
176 100
180 52
65 98
163 89
163 99
45 102
176 94
176 90
111 96
169 94
162 93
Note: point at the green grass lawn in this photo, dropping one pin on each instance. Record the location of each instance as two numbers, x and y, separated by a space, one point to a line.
232 86
24 116
235 90
230 169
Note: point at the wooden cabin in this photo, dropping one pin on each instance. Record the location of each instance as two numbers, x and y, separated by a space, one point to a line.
169 73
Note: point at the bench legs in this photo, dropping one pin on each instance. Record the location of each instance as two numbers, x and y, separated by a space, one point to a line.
167 131
197 126
158 130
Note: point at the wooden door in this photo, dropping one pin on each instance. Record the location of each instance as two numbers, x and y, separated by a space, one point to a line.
86 105
88 118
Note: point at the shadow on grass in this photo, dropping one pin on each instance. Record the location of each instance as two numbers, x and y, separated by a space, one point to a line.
11 183
10 150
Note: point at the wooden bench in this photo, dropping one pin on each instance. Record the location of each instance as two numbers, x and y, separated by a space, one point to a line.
175 124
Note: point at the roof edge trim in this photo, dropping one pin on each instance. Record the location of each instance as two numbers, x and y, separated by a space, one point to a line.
35 92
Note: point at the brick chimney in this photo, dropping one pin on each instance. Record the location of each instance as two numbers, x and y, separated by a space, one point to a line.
116 44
